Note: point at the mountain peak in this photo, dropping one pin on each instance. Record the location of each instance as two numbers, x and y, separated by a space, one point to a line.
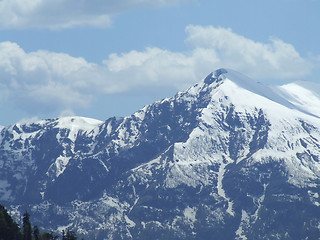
239 87
216 76
238 78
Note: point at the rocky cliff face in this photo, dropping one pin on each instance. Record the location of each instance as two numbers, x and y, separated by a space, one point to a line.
226 159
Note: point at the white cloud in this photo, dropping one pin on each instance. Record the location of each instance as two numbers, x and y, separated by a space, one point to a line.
57 14
276 59
152 66
45 81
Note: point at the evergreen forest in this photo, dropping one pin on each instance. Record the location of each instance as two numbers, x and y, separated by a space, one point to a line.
10 230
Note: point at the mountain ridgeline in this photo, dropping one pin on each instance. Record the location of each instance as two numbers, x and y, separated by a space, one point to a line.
226 159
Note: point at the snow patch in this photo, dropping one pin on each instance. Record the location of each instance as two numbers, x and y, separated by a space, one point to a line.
75 124
244 223
63 228
130 223
61 164
58 167
221 191
190 214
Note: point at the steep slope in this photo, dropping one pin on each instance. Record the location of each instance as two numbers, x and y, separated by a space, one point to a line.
226 159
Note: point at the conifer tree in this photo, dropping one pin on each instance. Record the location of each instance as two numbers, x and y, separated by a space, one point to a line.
26 225
63 235
48 236
36 233
8 228
70 235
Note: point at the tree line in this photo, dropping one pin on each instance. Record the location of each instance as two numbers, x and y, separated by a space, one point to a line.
10 230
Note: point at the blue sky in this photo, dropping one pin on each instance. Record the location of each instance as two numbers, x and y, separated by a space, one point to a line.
99 59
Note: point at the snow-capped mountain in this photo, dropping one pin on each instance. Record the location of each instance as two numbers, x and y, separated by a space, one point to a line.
226 159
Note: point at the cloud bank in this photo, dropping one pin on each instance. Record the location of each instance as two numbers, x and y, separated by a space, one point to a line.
47 81
59 14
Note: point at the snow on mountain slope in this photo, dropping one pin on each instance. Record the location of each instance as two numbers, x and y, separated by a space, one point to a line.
26 129
245 83
301 96
78 123
304 95
75 124
42 148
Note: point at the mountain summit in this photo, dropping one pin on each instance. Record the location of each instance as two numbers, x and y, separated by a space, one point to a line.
226 159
